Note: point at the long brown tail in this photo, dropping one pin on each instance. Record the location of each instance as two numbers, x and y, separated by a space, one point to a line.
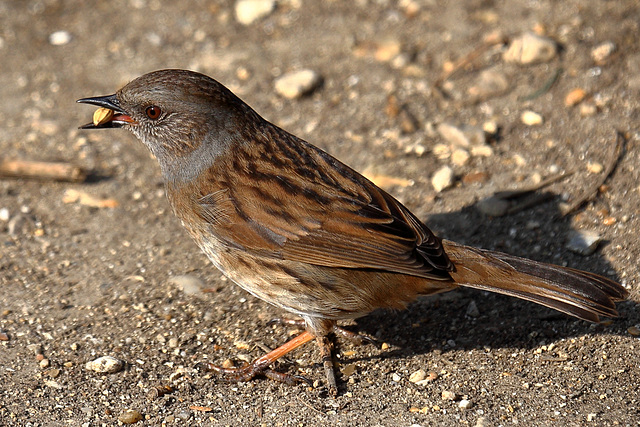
578 293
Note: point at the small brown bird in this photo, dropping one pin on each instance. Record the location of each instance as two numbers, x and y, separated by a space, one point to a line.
299 229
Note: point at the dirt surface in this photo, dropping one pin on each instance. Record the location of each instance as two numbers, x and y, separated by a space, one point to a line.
78 282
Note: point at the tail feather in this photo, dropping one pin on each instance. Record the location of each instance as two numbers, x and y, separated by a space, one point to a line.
574 292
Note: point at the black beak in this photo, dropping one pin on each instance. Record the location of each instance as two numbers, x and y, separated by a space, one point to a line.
119 118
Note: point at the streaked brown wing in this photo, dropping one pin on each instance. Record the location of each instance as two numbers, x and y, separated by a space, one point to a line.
317 210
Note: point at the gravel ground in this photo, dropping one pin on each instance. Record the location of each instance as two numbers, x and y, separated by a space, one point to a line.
102 268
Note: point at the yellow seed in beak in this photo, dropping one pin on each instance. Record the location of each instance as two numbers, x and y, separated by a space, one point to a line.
102 115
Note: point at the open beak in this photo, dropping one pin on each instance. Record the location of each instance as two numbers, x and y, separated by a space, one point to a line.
112 115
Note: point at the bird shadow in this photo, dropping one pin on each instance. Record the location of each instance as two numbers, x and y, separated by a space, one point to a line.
466 319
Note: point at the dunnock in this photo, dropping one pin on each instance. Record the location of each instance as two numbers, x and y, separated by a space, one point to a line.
299 229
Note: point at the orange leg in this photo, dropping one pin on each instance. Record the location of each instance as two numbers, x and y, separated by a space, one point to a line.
261 364
354 337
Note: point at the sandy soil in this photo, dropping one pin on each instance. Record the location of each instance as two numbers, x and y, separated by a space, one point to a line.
78 282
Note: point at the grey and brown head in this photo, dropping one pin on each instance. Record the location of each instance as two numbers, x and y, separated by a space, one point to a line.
179 115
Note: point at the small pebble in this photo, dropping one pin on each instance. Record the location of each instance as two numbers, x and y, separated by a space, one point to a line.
493 206
130 416
35 348
411 7
634 331
465 404
490 83
183 415
53 373
475 177
105 365
173 342
44 363
298 83
460 157
348 370
472 310
602 52
59 38
189 284
453 135
481 151
418 375
462 137
53 384
449 395
249 11
441 151
530 48
490 127
442 179
595 167
531 118
395 377
4 214
588 109
19 224
387 50
583 242
575 97
519 160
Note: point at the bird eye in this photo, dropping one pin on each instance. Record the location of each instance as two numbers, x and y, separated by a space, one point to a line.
153 112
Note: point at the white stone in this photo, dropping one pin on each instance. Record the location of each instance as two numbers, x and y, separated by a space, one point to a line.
249 11
602 52
531 118
583 242
460 157
442 179
105 365
465 404
530 48
481 151
190 285
453 135
297 83
59 38
418 375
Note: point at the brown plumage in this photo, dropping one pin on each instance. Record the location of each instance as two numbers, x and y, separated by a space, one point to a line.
301 230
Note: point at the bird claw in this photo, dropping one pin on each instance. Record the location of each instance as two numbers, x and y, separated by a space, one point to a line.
248 371
354 337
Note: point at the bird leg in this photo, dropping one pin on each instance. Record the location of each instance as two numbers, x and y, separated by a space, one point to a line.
260 366
327 362
354 337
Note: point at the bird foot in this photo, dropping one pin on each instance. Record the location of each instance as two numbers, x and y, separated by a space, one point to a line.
261 365
248 371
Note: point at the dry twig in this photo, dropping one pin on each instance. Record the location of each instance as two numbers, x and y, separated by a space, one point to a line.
621 140
55 171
